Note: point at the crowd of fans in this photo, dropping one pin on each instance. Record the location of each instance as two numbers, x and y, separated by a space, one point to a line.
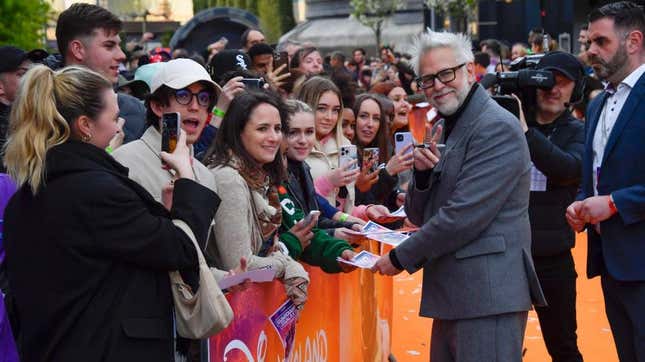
262 131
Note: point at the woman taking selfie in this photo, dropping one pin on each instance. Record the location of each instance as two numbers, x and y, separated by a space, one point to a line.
376 183
247 165
99 247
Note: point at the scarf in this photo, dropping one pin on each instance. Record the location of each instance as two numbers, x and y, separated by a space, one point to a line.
264 198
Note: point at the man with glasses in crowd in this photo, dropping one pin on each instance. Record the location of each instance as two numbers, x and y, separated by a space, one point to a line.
471 201
611 203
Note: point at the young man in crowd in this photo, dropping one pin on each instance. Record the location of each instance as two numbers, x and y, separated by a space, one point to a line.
250 37
611 203
88 35
556 143
261 55
471 203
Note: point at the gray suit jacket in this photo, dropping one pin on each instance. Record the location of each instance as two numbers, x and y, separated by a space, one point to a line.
474 244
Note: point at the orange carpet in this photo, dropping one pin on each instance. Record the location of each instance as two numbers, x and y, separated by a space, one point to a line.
411 333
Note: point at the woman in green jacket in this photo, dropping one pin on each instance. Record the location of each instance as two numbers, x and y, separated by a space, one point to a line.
304 240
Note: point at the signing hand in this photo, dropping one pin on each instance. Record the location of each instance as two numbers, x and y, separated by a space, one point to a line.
384 266
427 158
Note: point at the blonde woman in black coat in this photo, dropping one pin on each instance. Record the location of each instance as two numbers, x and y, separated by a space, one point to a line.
88 250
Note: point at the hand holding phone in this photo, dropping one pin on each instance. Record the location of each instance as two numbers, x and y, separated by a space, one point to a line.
253 83
313 214
348 154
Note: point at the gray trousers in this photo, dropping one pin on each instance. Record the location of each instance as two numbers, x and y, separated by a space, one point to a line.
495 338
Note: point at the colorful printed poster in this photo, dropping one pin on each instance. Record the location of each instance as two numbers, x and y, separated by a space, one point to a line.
284 320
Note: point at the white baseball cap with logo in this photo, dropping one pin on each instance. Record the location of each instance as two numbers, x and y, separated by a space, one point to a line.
180 73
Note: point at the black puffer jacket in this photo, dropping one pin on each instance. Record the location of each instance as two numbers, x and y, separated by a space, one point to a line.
556 150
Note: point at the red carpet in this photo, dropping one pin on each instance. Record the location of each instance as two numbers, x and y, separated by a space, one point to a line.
411 333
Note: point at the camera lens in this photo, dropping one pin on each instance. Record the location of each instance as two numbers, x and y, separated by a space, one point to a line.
399 138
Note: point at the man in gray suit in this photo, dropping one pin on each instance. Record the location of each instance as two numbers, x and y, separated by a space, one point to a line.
472 205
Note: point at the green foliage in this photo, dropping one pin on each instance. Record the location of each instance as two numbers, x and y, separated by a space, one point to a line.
276 16
454 8
372 13
23 23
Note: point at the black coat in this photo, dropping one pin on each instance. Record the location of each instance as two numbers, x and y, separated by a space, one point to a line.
556 150
88 260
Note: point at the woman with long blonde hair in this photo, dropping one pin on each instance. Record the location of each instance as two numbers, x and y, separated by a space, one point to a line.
89 250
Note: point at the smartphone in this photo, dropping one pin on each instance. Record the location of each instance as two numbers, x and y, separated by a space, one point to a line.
402 140
256 83
348 154
170 131
279 59
371 154
310 216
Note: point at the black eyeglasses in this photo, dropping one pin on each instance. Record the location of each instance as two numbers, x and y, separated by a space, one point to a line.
184 97
444 76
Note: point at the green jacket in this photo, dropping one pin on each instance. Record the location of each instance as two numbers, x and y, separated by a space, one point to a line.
323 249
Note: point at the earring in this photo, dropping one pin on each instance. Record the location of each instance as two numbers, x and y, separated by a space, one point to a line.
87 137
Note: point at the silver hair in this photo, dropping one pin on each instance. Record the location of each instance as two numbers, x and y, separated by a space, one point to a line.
460 44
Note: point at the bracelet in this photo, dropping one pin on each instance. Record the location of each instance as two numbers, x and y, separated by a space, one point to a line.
612 205
343 217
218 112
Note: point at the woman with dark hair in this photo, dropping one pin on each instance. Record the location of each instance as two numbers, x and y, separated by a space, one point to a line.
98 246
246 161
308 61
397 94
375 183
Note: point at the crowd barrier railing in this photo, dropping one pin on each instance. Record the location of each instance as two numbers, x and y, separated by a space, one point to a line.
347 318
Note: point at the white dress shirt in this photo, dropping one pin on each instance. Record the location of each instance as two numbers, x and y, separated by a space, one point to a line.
610 111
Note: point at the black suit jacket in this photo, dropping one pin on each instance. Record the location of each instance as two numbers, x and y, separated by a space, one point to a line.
88 259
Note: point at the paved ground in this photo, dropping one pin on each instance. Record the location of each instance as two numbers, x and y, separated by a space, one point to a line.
411 333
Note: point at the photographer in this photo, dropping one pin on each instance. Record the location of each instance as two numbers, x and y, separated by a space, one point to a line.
556 144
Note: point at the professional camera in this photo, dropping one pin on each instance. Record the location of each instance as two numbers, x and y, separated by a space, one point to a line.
522 80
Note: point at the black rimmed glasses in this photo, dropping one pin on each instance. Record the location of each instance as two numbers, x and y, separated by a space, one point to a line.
444 76
184 97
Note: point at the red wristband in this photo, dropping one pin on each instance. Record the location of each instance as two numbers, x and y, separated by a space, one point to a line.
612 206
